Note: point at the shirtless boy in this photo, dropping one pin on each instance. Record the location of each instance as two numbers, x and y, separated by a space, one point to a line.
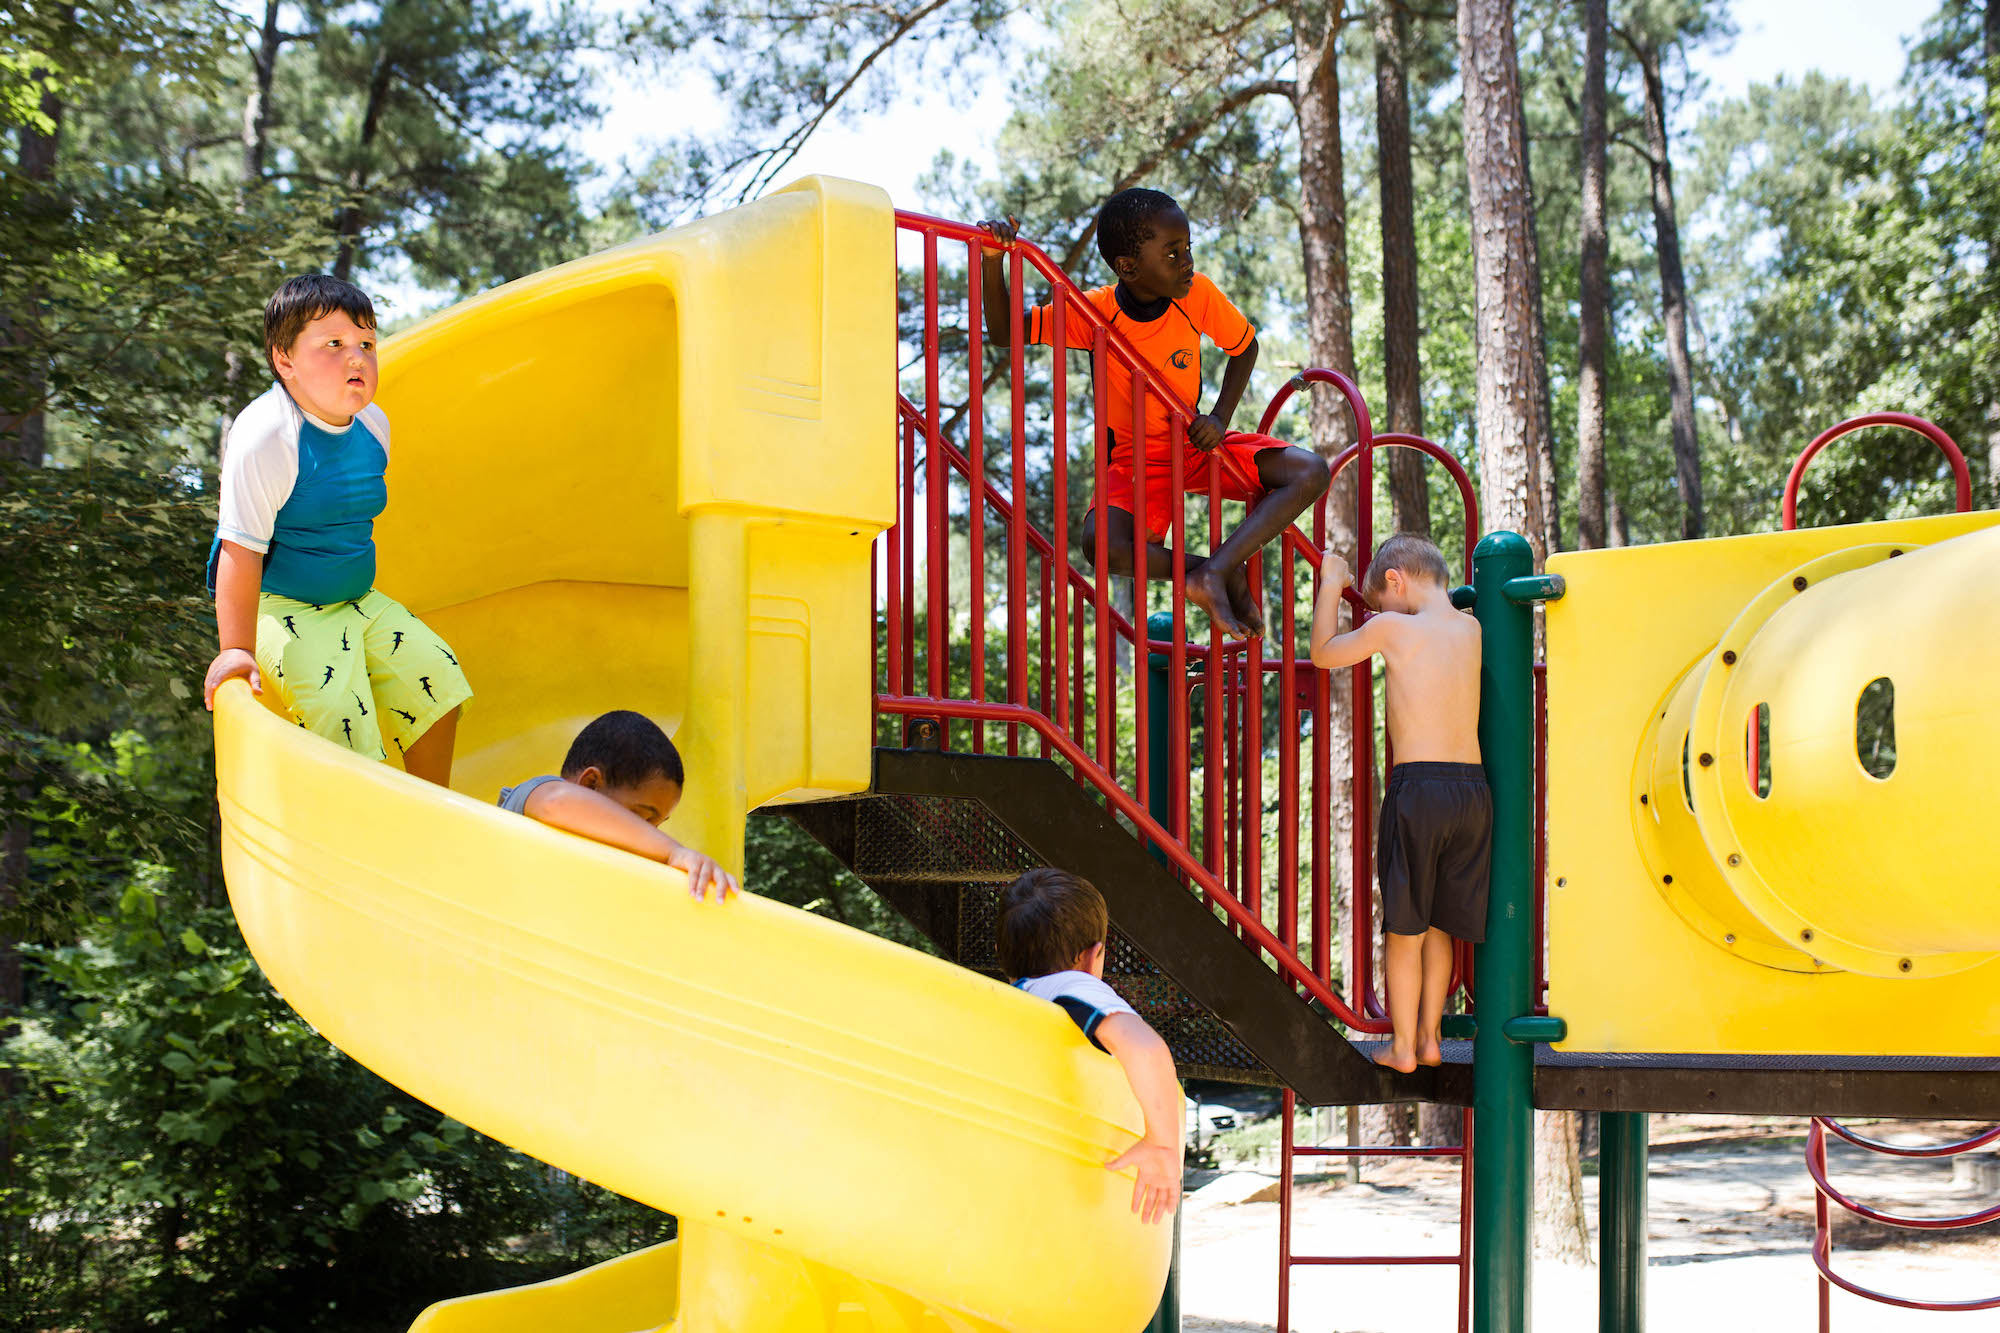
1436 829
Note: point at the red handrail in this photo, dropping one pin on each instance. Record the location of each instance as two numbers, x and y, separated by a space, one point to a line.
1929 430
1825 1192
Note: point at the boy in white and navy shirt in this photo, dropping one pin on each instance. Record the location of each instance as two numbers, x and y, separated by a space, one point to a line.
292 565
1050 938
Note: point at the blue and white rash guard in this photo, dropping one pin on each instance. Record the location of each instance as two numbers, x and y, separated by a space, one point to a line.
1086 999
304 495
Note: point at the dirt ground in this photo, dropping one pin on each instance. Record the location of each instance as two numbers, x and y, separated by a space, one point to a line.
1730 1230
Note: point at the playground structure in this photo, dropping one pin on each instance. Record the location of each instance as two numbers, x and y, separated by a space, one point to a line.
700 538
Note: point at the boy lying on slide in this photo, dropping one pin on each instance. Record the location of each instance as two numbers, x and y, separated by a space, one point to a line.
621 779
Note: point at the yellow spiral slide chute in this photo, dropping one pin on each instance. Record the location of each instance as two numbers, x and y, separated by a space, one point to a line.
652 479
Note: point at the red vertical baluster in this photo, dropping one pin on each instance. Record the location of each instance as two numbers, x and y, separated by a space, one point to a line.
1177 706
1465 1223
1290 1108
1214 730
1364 716
910 558
1050 696
1141 678
937 540
1322 791
1017 538
1105 684
1253 755
1232 779
892 626
1059 474
1288 749
975 495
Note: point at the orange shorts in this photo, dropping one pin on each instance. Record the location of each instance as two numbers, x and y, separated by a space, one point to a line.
1240 447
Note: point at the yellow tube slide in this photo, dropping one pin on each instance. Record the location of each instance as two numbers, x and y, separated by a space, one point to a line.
651 479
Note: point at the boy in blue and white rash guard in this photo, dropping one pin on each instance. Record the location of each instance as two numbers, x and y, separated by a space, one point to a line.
292 565
1050 937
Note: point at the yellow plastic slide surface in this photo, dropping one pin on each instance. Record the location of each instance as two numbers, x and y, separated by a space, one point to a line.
650 479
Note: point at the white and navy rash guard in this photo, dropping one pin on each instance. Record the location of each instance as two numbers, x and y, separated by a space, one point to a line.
304 495
1086 999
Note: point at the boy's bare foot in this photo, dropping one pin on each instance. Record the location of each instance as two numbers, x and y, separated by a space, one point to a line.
1430 1052
1244 604
1211 593
1403 1062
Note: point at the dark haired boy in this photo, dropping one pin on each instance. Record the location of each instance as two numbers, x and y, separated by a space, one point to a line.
1435 836
1164 308
1050 938
292 565
620 780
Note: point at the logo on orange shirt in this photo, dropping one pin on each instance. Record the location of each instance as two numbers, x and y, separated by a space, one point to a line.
1182 359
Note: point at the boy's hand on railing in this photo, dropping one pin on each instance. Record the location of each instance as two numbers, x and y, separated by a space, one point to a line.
1157 1192
228 664
703 874
1002 230
1333 569
1205 432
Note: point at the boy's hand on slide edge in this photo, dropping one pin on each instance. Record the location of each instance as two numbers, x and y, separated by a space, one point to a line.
228 664
703 874
1157 1192
1002 230
1334 569
1205 432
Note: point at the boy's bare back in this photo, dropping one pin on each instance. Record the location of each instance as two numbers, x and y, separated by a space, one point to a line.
1432 654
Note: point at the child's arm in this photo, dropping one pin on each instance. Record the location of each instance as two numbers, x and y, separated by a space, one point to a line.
589 814
239 572
995 299
1206 431
1149 1068
1330 648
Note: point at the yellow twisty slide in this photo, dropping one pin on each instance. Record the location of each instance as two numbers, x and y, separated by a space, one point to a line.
650 479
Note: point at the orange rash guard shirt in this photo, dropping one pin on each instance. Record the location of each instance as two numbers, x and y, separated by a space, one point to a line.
1171 344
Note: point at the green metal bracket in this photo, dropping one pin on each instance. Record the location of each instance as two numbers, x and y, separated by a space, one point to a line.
1534 588
1459 1027
1531 1028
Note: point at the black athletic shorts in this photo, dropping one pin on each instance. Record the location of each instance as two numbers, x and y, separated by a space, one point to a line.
1432 850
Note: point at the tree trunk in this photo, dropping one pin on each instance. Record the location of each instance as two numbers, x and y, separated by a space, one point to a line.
1538 349
1401 357
24 424
257 107
1618 525
348 222
1329 343
1562 1228
1441 1125
1503 290
1673 295
1595 291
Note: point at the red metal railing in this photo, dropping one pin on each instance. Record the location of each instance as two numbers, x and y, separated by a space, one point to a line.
1961 475
1825 1193
1287 1260
1050 661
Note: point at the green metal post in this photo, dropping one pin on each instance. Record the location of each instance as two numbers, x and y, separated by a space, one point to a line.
1503 1071
1623 1149
1159 804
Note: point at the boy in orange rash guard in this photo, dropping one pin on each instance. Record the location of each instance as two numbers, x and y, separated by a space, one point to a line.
1164 308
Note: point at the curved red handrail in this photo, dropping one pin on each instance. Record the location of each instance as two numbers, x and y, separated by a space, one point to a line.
1929 430
1397 439
1822 1247
1900 1150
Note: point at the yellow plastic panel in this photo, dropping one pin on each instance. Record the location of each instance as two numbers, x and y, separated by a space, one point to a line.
1639 965
634 1293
